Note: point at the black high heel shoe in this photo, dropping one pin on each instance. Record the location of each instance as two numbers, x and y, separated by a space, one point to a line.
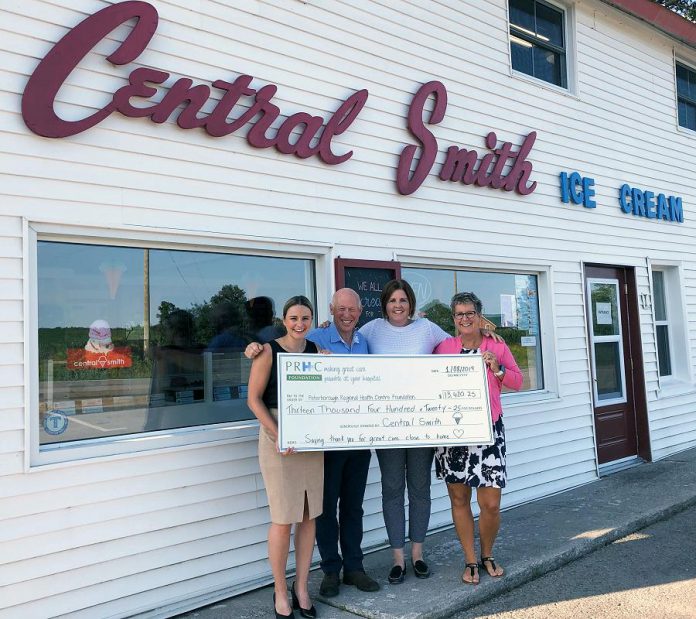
310 612
277 614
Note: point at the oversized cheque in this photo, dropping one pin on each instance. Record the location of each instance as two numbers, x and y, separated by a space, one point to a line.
361 401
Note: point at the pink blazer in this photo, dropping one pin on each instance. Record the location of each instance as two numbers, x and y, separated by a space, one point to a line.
513 375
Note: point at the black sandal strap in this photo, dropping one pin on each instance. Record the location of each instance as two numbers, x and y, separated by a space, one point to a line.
471 567
490 560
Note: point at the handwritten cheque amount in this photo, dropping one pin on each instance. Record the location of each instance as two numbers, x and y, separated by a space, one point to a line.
329 402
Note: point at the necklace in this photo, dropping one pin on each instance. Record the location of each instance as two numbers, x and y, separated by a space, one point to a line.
471 345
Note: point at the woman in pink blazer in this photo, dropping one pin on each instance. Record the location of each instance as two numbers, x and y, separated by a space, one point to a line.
481 466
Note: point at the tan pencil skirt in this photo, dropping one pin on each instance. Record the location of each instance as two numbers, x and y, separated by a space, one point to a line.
289 478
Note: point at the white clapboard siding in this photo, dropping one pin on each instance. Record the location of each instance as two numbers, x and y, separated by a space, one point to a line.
12 431
118 536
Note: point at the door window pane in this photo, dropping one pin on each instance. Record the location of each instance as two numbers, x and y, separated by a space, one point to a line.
605 312
510 302
136 340
608 366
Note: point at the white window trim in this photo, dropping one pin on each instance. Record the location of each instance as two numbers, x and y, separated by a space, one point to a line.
569 31
681 379
165 440
547 319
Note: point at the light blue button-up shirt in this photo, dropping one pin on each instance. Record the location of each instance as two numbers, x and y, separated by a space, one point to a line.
330 339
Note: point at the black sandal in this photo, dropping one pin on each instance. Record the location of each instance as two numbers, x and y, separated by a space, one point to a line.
471 567
494 567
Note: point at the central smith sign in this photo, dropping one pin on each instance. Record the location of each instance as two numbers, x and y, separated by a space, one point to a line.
301 134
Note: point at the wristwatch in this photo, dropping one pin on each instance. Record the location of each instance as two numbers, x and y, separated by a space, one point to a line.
500 373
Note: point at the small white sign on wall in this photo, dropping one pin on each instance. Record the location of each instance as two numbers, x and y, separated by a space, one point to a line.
603 313
528 340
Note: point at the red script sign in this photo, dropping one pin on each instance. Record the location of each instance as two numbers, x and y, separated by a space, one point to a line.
44 84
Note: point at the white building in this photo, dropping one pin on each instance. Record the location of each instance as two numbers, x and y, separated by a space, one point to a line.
137 255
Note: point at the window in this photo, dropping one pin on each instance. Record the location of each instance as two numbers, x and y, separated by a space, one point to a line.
686 96
134 340
664 354
538 41
670 324
606 340
510 301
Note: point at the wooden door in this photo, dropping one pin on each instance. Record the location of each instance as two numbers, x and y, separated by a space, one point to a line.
612 367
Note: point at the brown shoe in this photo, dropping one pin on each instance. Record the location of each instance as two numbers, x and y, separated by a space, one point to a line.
361 580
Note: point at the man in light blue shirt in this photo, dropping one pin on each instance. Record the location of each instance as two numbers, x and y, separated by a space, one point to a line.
345 471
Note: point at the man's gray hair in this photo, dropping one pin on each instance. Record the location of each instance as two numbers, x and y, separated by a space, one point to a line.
466 298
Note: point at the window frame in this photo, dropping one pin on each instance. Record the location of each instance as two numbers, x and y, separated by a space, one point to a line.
568 12
145 442
675 308
547 336
691 67
616 338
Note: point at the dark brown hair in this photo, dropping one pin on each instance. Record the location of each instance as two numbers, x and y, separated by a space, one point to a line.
390 288
297 300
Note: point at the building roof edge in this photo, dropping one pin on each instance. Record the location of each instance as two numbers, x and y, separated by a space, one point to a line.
659 17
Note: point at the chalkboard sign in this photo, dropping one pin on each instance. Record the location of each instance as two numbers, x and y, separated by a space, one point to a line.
367 278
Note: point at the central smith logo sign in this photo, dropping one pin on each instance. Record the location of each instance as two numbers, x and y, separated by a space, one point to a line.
237 104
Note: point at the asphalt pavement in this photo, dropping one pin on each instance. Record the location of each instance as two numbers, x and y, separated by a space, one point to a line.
649 574
535 539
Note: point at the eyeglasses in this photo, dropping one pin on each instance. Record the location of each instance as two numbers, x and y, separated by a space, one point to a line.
467 315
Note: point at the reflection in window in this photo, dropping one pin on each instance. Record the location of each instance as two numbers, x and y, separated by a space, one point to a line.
537 41
510 301
138 340
686 96
609 375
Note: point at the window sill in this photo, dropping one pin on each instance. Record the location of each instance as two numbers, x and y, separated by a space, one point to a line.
675 388
567 92
117 448
686 131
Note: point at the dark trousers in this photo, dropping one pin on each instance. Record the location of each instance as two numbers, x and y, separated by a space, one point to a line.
345 476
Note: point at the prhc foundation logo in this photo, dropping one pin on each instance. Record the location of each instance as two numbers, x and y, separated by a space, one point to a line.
303 370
